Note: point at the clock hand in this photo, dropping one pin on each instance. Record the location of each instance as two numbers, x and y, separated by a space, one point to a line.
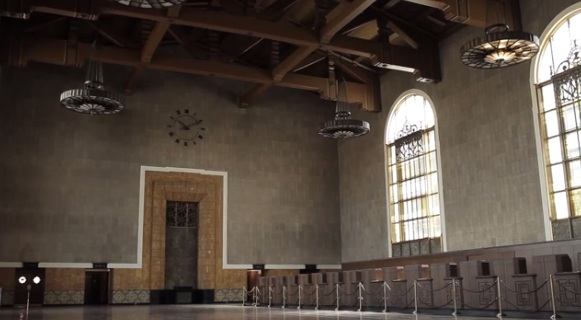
195 123
181 123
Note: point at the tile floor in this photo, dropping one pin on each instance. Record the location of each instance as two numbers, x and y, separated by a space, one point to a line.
206 312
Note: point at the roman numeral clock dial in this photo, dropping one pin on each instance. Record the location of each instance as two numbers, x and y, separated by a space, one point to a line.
185 128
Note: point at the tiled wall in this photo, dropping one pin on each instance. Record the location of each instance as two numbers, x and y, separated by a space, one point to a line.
228 295
64 297
130 297
491 184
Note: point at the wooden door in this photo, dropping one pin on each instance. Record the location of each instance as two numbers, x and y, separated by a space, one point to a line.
96 287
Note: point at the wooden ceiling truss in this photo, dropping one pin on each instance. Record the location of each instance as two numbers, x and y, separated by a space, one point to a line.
266 42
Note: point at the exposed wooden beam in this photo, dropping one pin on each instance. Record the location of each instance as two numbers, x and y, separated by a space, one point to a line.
470 12
309 61
112 34
153 41
298 11
391 3
367 30
372 96
52 51
405 35
276 10
343 16
291 61
43 24
220 21
248 98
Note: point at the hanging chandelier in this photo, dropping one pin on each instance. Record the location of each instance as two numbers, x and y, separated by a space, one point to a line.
342 126
92 99
150 4
499 48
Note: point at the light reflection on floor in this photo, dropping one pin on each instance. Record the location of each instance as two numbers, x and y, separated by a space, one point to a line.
206 312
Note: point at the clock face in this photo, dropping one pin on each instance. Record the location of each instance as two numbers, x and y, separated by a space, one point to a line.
185 128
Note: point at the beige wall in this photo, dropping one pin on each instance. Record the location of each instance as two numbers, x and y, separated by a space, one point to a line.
488 156
70 182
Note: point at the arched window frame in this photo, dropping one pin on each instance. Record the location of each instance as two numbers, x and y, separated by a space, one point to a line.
388 140
536 93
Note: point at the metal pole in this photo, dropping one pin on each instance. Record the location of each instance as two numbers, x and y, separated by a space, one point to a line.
454 297
256 296
316 296
554 316
300 289
283 297
384 296
360 297
499 315
244 293
27 300
269 296
415 297
337 294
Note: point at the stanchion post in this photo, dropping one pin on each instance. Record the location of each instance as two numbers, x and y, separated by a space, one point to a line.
552 288
415 297
300 296
256 296
337 294
454 297
316 296
269 296
283 297
499 315
27 300
360 296
385 286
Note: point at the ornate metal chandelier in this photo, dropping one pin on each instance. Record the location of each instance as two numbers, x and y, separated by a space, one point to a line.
150 4
342 127
500 47
92 99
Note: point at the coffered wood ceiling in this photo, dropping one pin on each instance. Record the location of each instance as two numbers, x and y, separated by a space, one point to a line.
266 42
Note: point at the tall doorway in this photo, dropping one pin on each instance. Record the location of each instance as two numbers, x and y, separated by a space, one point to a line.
96 287
181 246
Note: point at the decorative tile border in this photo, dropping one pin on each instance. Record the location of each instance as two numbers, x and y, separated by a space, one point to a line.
228 295
7 298
64 297
130 296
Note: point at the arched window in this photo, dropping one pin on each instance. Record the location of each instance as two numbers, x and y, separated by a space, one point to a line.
413 177
558 87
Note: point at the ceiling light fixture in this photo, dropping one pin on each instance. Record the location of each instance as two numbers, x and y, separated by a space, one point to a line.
150 4
342 127
92 99
500 47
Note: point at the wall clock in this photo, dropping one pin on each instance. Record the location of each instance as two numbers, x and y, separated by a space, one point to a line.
185 128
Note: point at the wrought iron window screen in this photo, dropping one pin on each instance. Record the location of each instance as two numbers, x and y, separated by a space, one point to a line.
409 143
560 113
414 193
182 214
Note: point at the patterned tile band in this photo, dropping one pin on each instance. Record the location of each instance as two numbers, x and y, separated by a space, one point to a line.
64 297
